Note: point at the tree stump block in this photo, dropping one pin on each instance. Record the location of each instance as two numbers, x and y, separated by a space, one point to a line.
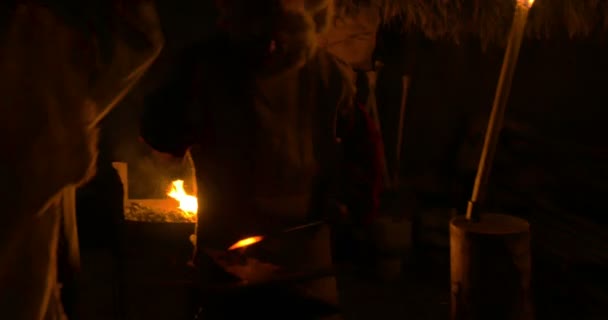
490 268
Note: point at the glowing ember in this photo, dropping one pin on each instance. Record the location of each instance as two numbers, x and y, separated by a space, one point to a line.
187 203
246 242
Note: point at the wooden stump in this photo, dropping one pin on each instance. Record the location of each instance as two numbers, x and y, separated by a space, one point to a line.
490 268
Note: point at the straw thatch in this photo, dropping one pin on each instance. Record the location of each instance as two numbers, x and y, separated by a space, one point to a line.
490 19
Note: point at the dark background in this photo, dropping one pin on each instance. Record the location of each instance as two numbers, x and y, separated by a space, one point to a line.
551 164
553 146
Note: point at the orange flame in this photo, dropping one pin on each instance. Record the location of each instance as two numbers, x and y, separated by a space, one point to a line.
187 203
246 242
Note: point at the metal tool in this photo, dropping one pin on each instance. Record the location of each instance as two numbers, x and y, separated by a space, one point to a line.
249 241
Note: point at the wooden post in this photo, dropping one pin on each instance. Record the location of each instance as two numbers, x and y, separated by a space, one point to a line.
490 268
490 253
499 106
399 147
373 107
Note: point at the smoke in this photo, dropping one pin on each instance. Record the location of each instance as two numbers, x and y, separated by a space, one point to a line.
149 175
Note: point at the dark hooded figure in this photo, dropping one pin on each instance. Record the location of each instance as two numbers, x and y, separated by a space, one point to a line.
55 86
275 133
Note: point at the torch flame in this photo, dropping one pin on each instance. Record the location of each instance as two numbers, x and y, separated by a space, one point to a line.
187 203
246 242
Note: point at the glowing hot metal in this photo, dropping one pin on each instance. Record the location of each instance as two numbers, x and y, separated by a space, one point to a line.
245 242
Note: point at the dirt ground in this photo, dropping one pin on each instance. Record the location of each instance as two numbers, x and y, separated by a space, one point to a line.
412 296
416 287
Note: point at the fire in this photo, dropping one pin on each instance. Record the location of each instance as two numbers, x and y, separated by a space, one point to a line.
246 242
187 203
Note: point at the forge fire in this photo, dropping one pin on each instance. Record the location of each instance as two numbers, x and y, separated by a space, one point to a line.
178 207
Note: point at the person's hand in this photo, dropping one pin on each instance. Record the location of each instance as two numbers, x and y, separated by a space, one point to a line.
253 270
245 268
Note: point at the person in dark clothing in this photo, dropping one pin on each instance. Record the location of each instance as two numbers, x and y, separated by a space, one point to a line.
274 131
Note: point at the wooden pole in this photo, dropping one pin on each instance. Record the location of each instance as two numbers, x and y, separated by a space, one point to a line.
490 254
498 108
373 107
490 268
399 147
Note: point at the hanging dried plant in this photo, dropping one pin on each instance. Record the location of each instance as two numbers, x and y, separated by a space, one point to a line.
490 20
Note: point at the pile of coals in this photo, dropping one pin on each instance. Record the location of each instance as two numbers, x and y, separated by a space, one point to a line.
135 211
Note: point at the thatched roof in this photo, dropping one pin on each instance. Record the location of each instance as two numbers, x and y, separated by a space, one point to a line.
490 19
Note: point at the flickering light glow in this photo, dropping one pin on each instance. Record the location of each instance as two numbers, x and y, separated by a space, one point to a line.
187 203
245 242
